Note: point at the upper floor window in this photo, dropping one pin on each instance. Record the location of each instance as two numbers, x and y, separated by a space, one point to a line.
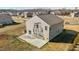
45 27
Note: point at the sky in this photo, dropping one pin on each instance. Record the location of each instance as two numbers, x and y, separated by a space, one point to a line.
21 8
15 4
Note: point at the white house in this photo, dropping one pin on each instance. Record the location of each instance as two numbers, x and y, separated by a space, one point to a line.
74 14
43 27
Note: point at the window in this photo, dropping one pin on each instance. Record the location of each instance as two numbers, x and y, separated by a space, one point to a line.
50 29
29 32
37 26
45 27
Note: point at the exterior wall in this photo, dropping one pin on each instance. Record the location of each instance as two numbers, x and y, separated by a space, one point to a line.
52 13
25 14
72 14
30 26
55 30
75 14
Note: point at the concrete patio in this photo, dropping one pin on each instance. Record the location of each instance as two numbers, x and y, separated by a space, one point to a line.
33 40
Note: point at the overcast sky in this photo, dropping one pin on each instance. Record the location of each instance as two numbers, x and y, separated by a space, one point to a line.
27 4
36 7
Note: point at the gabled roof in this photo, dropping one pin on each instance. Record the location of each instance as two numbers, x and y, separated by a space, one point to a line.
50 19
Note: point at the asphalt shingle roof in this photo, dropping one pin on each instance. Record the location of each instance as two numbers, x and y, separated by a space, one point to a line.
50 19
5 19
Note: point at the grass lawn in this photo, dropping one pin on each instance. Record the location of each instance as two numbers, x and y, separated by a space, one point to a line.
12 43
53 46
9 40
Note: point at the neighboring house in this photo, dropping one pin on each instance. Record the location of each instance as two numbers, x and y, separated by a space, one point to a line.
74 14
44 27
52 13
33 13
23 14
6 19
29 14
14 13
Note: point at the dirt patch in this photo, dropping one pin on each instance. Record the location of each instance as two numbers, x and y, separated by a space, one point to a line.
67 36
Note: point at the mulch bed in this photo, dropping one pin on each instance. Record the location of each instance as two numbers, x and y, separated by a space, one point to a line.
67 36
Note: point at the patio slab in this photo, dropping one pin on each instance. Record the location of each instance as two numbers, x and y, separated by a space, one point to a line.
34 41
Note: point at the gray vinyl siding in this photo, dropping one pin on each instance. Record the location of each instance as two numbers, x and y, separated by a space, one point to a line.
55 30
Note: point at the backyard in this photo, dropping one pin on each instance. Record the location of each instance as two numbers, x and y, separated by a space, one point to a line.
9 40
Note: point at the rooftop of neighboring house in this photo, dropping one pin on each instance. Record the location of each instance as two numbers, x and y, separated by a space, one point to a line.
5 19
